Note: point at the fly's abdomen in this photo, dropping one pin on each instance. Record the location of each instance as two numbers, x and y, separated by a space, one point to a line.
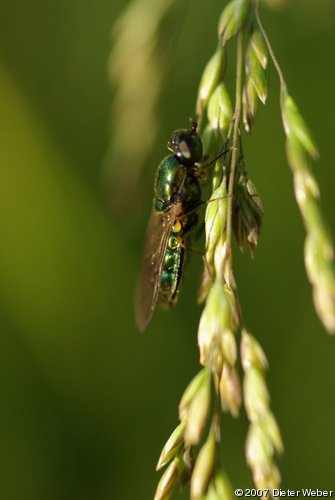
172 271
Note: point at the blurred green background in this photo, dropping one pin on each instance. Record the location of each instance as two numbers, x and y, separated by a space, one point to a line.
86 401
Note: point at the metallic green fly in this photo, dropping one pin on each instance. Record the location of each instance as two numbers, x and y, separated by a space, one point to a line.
177 195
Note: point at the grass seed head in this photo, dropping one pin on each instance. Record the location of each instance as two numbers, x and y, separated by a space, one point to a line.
204 467
252 354
248 214
256 395
294 124
230 390
249 101
211 76
167 481
271 428
228 346
223 487
191 390
187 464
219 110
215 319
232 19
259 450
197 414
257 74
172 446
211 141
215 220
259 48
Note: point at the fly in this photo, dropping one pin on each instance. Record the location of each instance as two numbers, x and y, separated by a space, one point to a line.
177 195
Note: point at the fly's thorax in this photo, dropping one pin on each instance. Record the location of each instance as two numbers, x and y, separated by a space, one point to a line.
176 180
191 195
189 222
170 176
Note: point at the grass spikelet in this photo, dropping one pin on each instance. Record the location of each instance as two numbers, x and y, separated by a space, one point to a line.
197 414
249 105
215 320
167 481
204 468
295 126
256 79
232 19
248 214
259 48
190 392
263 439
172 446
219 110
215 221
212 75
220 489
256 71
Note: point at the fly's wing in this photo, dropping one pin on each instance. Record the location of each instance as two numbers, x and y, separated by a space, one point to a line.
158 232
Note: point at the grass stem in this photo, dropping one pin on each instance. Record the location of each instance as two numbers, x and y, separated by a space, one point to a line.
233 163
269 46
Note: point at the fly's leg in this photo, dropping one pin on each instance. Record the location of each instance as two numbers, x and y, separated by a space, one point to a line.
202 203
190 249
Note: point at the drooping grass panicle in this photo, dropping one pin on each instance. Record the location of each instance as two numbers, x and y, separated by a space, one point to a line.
235 207
300 149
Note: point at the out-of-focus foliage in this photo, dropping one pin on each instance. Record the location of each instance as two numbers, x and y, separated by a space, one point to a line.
85 400
137 67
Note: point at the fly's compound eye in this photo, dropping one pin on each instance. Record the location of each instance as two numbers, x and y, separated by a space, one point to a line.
186 145
184 150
